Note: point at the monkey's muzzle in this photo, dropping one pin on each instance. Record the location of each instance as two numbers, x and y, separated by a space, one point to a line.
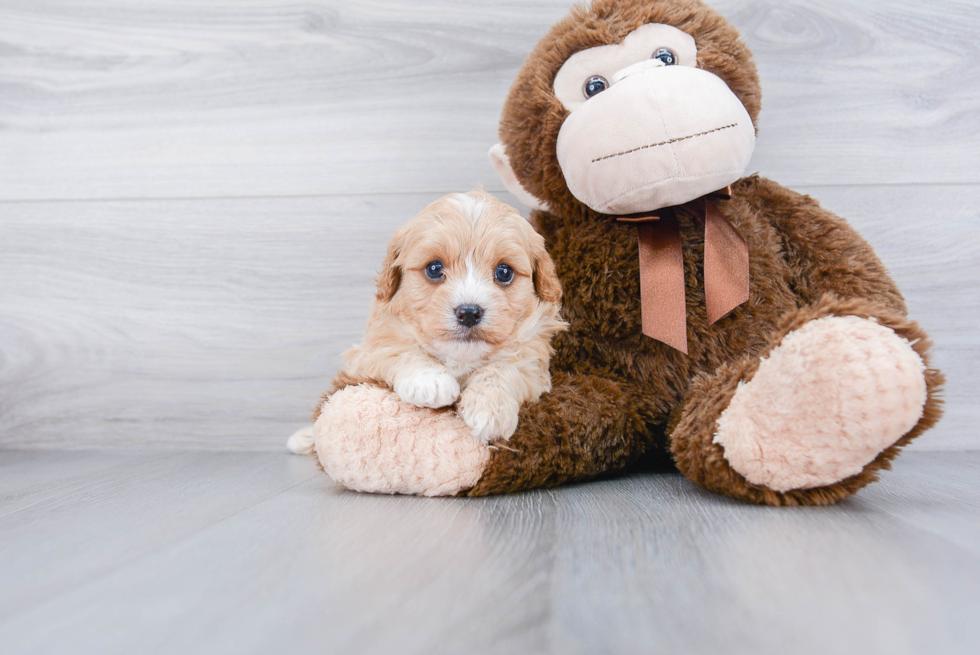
658 137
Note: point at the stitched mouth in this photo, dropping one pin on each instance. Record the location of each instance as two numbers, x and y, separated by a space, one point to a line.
665 143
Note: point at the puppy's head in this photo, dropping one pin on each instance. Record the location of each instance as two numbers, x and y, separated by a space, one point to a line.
466 275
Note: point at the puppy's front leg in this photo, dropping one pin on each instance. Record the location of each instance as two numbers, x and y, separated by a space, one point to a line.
491 401
425 383
414 376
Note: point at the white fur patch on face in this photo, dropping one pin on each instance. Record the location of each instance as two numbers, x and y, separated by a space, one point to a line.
471 207
473 288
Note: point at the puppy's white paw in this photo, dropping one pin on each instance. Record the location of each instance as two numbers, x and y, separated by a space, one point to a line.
490 416
428 389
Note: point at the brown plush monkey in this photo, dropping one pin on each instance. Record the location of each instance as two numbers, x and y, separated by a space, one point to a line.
790 378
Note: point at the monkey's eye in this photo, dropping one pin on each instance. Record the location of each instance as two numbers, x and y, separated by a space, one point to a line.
666 56
433 271
504 274
595 85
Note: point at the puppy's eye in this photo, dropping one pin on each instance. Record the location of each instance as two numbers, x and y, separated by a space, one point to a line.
595 85
666 56
433 271
504 274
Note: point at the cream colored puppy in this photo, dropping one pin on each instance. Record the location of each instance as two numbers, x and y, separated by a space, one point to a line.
466 306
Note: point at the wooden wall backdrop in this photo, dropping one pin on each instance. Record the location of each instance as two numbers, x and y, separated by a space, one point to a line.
195 195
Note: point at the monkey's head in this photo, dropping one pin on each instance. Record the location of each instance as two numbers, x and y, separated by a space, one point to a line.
629 106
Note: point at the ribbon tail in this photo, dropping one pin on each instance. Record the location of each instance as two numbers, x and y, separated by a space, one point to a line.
726 264
662 296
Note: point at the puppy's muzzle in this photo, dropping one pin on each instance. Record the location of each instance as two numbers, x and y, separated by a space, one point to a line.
469 315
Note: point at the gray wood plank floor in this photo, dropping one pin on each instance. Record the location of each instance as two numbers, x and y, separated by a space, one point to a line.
258 552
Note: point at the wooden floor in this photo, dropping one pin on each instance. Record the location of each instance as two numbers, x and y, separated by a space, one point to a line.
179 552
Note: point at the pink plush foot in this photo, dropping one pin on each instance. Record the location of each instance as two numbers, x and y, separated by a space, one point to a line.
369 440
830 397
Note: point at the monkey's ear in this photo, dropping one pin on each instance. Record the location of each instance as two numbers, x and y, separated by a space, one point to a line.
545 278
391 272
501 164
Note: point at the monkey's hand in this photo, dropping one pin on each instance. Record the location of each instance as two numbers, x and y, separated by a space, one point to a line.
368 439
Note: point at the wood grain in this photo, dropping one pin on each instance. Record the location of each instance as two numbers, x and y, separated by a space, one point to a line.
111 99
216 323
211 323
258 553
82 507
195 196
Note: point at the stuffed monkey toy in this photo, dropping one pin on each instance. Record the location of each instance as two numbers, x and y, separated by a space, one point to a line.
723 322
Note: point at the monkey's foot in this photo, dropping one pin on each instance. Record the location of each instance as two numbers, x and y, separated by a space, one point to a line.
369 440
825 402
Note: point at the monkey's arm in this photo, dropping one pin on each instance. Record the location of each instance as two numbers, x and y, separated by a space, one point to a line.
843 384
584 427
826 254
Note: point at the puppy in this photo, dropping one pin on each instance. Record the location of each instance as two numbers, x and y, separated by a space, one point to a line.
466 306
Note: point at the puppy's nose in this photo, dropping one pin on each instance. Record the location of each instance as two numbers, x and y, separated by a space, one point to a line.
469 315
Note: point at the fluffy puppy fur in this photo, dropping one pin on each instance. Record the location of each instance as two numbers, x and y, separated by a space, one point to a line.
417 340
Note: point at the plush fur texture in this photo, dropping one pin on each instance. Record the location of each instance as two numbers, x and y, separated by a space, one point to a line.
695 426
369 440
620 398
624 394
824 402
619 395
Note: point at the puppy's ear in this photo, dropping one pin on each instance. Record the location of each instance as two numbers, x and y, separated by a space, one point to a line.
546 284
391 272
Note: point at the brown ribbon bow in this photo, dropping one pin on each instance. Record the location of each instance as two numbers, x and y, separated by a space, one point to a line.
726 268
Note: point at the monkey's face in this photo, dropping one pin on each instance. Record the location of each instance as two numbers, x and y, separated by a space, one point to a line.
628 106
648 128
